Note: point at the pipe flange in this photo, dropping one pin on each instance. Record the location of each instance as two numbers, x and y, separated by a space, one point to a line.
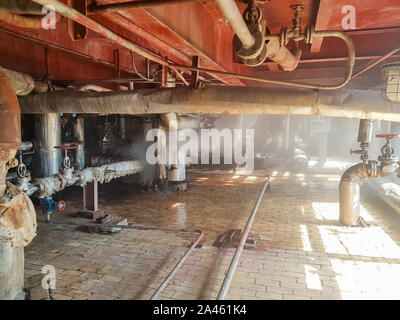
258 60
309 34
255 50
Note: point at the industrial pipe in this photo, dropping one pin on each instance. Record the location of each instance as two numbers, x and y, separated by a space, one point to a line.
177 267
282 56
130 5
96 27
235 260
79 134
133 227
48 132
232 14
349 191
356 104
21 7
47 186
10 127
21 21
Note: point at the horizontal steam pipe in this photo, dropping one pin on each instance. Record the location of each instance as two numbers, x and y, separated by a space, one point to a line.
46 187
113 7
356 104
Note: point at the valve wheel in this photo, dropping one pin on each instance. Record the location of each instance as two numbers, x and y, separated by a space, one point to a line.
67 147
61 205
388 135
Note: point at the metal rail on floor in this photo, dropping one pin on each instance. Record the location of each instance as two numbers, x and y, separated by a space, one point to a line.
177 266
235 260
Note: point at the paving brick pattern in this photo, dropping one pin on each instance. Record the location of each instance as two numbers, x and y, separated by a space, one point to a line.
304 253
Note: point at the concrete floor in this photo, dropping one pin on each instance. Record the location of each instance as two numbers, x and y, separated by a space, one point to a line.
304 253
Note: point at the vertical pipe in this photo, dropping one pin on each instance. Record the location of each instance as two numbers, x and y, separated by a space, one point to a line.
48 130
349 202
232 14
122 126
79 133
235 260
11 272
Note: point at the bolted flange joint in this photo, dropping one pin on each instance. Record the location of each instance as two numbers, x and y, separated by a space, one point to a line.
255 50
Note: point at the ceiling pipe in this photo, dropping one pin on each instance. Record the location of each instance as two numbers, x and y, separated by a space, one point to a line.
356 104
232 14
113 7
21 21
94 26
21 7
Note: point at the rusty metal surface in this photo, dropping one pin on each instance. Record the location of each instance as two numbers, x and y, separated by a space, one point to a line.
177 31
17 218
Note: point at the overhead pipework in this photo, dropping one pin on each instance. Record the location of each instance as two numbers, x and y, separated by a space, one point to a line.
284 37
353 177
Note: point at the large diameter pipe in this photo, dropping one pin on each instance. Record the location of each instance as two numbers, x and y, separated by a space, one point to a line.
349 202
21 7
355 104
79 134
130 5
10 126
23 83
232 14
235 260
48 130
282 56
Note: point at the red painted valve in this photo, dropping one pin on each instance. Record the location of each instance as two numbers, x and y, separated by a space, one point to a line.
388 135
67 146
61 205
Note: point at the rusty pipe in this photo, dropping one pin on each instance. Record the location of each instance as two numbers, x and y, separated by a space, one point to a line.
282 56
235 260
113 7
76 16
21 7
20 21
349 191
10 126
232 14
89 23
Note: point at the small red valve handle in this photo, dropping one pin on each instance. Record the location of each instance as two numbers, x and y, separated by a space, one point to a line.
67 147
61 205
388 135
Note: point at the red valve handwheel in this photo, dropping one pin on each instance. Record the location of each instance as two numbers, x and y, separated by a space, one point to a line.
388 136
67 147
61 205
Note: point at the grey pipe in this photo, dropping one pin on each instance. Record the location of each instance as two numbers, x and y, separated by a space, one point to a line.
232 14
235 260
48 131
79 134
356 104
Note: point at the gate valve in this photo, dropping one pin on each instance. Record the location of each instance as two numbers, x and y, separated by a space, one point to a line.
389 162
65 147
50 205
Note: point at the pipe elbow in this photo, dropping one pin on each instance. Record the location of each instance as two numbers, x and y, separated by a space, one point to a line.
360 171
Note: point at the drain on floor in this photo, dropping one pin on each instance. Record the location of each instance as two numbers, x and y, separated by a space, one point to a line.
231 239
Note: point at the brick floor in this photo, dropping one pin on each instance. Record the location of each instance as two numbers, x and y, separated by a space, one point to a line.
304 253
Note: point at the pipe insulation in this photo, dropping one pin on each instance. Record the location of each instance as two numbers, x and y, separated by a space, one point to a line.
47 186
356 104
